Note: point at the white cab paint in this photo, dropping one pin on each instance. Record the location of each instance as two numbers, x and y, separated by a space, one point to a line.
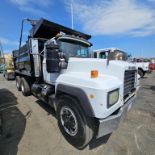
111 76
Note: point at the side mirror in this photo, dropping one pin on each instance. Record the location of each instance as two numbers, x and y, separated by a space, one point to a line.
52 58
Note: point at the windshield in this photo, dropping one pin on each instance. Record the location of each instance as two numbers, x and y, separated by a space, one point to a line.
72 48
118 55
102 55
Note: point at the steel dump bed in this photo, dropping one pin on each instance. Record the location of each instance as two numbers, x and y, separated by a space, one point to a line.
47 29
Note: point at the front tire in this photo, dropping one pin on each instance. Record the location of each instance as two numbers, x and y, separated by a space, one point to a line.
25 87
74 125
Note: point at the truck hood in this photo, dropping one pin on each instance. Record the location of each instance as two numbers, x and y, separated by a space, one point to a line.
102 65
111 77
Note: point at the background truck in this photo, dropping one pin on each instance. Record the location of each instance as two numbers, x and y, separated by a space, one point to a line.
89 96
143 67
110 54
117 54
8 72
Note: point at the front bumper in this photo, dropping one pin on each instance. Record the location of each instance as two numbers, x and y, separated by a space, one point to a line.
110 124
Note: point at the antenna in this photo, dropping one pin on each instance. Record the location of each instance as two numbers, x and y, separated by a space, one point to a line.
72 18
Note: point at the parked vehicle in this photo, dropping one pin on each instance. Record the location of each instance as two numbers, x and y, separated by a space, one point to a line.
110 54
8 72
89 96
143 67
152 66
117 54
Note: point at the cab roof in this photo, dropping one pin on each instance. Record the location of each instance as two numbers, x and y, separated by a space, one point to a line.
106 50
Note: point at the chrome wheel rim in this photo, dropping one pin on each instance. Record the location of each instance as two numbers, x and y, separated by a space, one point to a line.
69 121
17 84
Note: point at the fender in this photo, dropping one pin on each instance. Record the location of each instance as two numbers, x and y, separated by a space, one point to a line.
79 94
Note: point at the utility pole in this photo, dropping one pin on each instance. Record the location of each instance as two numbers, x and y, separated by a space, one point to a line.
1 51
72 17
2 60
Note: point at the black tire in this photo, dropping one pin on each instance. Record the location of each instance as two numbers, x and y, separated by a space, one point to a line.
7 76
25 87
141 73
84 132
18 83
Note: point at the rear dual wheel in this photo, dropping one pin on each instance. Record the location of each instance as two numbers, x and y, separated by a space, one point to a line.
23 85
18 83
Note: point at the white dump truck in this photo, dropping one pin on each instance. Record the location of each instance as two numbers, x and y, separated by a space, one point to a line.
90 96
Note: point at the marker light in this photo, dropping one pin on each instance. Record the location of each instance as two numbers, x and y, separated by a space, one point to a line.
94 73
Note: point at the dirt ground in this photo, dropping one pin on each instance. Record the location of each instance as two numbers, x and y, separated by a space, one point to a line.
135 136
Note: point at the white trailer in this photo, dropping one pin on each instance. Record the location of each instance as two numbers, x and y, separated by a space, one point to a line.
89 96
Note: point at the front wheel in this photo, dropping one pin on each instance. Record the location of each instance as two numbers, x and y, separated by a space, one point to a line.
74 125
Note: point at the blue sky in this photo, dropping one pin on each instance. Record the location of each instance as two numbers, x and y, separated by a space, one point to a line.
125 24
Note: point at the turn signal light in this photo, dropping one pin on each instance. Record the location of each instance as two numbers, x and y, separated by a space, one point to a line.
94 73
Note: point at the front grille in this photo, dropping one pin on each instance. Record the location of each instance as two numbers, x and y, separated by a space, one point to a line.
129 82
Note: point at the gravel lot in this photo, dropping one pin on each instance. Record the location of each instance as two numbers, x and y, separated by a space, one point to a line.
135 136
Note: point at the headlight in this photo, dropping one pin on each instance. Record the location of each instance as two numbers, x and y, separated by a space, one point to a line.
113 97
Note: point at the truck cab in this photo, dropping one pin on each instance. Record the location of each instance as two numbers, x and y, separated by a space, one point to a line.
110 54
89 95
